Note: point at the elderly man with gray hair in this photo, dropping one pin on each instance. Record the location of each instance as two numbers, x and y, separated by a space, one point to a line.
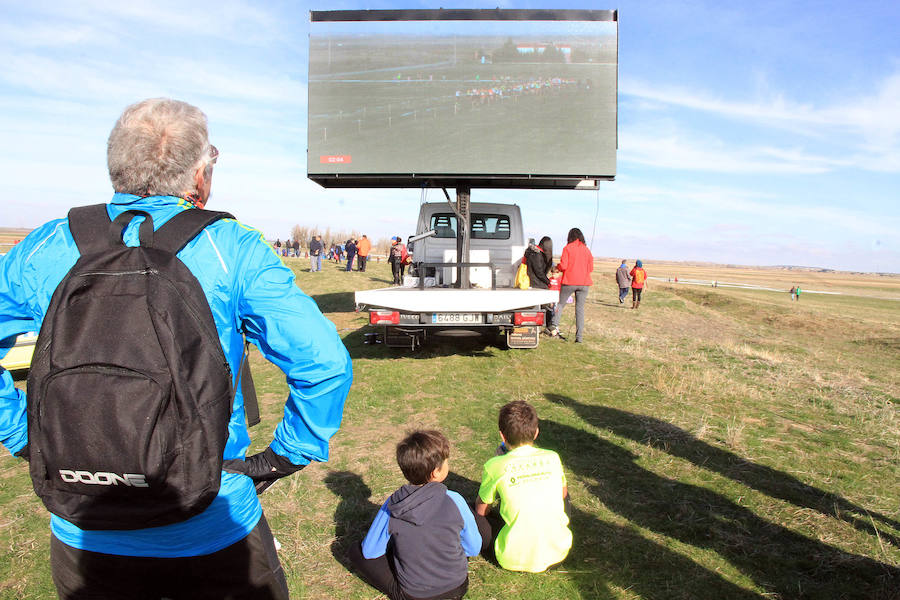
161 165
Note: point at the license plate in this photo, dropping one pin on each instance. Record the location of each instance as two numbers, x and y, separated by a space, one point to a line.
456 318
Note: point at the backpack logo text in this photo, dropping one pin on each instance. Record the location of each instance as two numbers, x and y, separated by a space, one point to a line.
103 478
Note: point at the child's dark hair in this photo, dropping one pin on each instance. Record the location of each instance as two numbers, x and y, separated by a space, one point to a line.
420 453
518 423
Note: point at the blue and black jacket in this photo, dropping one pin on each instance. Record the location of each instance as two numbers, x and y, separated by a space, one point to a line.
251 292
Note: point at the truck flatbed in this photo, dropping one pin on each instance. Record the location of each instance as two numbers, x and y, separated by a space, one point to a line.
453 299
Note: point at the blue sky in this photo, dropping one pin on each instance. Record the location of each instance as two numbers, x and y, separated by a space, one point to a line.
760 133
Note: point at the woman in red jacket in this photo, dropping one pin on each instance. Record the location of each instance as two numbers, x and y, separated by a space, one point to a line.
576 264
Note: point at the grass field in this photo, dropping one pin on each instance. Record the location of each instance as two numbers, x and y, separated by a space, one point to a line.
718 443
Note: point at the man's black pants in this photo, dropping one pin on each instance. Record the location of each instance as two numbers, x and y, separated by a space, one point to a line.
246 570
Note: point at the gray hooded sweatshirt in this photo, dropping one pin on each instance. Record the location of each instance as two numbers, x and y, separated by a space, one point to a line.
424 527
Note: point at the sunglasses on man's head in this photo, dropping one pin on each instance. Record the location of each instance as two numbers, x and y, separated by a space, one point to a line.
213 154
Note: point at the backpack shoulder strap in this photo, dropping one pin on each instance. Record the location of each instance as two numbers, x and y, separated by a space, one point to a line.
89 226
93 231
184 226
248 389
173 236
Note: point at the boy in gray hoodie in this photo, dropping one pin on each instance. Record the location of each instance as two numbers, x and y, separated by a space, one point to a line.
431 529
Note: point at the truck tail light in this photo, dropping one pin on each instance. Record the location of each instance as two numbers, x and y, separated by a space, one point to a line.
384 317
531 317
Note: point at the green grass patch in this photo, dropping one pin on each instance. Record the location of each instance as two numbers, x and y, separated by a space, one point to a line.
718 444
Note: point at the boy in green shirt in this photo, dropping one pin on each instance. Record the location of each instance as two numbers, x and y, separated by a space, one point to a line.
531 487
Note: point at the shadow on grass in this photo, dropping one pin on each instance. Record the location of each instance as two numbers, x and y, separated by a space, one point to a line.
609 303
358 347
776 484
777 559
342 267
606 553
464 486
603 553
353 515
335 302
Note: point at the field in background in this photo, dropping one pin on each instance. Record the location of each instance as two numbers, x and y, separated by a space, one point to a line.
810 280
9 236
718 442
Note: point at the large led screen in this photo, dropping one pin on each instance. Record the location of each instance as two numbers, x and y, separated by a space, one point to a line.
504 96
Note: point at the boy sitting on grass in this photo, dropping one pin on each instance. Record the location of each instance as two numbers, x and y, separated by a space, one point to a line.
530 484
431 530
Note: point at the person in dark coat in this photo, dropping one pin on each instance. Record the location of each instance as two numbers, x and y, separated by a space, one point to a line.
350 247
395 257
539 261
316 249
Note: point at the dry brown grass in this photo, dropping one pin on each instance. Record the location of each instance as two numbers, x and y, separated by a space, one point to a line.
878 285
9 236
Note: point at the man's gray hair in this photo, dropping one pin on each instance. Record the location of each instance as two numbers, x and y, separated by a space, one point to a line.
156 147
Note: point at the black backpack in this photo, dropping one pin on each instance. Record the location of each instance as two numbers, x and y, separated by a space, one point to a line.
129 392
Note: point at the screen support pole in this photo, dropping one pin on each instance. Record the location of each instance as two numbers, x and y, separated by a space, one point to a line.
463 195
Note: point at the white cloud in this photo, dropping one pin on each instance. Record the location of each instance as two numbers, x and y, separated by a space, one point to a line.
674 151
100 79
241 23
776 109
47 35
736 207
866 127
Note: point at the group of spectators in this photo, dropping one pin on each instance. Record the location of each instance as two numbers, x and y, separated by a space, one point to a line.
359 248
317 251
287 248
572 275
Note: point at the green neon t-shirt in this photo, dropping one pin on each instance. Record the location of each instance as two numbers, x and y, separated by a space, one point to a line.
529 482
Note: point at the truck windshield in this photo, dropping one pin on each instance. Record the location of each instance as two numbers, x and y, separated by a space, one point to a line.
484 226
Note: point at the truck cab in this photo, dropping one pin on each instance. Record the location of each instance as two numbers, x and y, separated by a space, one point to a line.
495 236
450 294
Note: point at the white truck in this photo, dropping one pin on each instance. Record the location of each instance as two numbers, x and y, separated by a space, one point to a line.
447 295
